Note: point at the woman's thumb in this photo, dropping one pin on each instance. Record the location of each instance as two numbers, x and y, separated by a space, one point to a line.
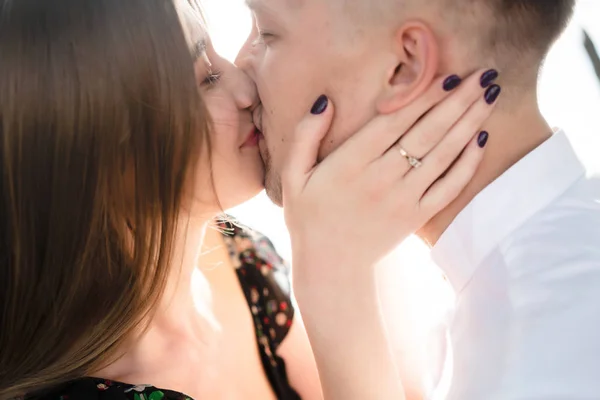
305 143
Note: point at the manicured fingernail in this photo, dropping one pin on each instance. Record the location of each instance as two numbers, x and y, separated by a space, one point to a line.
452 82
488 77
492 93
320 105
482 139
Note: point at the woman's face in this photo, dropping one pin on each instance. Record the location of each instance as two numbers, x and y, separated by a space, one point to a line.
230 97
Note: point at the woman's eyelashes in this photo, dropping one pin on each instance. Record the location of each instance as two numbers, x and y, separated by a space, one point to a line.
212 78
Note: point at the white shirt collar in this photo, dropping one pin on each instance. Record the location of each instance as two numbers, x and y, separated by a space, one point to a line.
502 207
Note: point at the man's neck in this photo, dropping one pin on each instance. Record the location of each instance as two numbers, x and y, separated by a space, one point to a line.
513 133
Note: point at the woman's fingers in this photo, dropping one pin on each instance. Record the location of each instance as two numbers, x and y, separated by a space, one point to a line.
383 131
447 188
445 130
434 127
304 146
441 157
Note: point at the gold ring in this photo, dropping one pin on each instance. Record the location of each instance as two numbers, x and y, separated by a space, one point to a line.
413 161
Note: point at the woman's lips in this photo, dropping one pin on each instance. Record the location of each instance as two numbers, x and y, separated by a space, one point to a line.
252 139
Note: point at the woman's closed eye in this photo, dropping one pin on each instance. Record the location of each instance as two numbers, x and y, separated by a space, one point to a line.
212 78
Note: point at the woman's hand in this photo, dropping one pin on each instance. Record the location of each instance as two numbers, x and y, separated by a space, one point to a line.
365 198
348 212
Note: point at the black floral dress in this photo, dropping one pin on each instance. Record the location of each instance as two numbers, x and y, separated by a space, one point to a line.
264 278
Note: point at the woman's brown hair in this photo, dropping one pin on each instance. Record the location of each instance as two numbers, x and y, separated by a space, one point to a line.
101 124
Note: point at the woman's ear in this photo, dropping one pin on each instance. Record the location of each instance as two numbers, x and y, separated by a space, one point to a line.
418 58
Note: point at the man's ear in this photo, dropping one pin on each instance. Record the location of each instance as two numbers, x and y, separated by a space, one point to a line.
418 58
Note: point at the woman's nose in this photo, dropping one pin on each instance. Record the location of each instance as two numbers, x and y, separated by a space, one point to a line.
246 95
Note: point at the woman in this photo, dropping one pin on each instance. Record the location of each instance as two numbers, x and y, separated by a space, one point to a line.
110 176
246 338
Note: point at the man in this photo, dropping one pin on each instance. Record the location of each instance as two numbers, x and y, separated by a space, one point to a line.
521 245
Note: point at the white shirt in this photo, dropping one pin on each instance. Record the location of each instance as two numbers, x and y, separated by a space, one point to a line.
524 260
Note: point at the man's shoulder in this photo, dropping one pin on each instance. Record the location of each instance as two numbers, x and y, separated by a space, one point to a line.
565 231
587 188
572 213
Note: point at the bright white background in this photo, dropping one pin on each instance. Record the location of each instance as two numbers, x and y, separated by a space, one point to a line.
570 99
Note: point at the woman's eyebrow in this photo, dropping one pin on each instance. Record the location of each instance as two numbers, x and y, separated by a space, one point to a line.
198 49
261 5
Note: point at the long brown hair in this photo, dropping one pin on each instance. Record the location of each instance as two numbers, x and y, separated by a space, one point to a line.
100 123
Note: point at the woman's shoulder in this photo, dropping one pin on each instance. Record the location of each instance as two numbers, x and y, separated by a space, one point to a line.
102 389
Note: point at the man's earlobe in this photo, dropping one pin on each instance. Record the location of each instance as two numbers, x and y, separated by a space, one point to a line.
417 65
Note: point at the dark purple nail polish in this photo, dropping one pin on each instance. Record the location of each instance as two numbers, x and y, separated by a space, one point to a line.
492 93
488 77
452 82
482 139
320 105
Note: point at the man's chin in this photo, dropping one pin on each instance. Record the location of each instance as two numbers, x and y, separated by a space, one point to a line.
275 197
273 189
272 181
263 150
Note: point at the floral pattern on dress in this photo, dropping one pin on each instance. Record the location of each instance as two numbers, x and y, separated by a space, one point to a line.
102 389
264 277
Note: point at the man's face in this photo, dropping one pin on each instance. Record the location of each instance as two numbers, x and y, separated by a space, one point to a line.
299 50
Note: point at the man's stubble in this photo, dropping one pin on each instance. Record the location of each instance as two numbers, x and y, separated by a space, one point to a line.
272 180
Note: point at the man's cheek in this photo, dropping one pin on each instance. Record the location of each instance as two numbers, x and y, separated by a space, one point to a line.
279 75
330 143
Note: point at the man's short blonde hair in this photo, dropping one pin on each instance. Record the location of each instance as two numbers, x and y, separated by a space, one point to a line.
509 30
508 34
